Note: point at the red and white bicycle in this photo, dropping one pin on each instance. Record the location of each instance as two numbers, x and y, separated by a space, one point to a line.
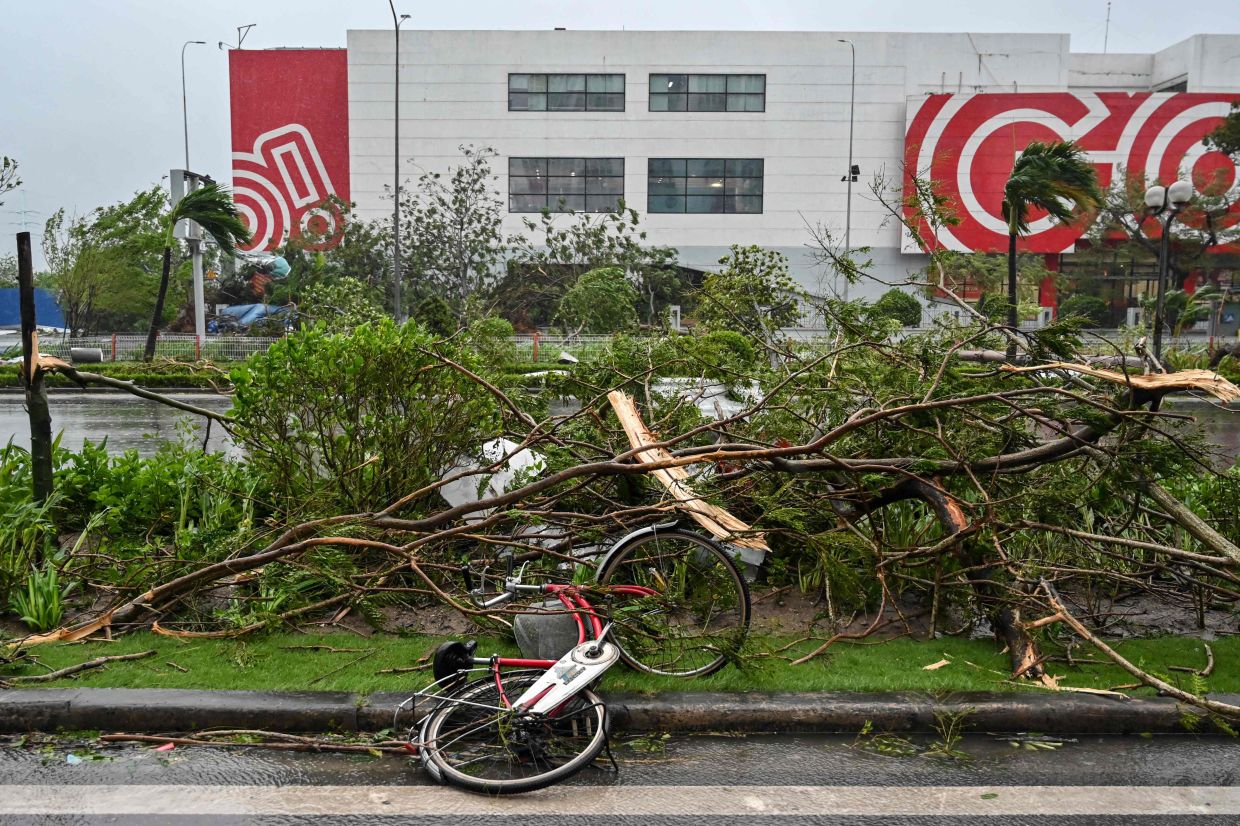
665 600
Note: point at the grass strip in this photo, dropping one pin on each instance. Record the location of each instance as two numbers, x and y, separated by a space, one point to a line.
282 662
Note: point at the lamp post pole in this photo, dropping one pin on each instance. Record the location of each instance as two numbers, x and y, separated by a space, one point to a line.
192 231
852 100
1165 202
185 98
396 277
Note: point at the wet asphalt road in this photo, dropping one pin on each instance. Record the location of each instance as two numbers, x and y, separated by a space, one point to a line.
684 780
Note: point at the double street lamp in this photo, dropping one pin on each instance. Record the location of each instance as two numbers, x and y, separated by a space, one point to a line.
1165 202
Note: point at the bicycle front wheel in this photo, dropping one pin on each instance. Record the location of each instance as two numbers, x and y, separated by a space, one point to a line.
698 616
478 742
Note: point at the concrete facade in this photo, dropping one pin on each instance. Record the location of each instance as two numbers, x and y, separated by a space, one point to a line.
454 91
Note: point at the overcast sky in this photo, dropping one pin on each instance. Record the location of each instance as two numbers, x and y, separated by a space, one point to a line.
90 90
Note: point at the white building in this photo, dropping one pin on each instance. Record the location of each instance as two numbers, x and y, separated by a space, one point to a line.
723 138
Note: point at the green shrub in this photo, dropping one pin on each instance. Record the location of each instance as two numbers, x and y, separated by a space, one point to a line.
602 301
350 422
1086 306
491 339
178 492
435 314
899 305
144 375
993 306
27 532
41 604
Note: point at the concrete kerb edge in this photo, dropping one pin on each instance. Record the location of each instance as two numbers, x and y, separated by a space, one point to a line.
168 710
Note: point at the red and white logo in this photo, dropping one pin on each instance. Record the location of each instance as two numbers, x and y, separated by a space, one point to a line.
967 145
290 144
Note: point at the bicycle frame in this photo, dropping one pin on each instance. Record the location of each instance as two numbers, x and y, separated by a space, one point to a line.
576 604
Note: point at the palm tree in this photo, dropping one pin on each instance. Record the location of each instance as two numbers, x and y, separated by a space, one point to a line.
212 208
1054 177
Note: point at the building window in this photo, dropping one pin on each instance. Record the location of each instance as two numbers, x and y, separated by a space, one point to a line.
564 184
566 93
705 185
708 93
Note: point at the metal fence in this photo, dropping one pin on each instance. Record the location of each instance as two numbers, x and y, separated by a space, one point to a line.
118 347
539 347
536 348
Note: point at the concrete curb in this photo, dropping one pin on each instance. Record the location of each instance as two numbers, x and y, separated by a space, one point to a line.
168 710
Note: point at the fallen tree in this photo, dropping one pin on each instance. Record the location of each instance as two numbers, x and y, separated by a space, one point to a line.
839 444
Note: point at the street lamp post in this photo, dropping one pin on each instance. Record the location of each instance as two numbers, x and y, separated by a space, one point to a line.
852 100
184 97
1165 201
192 232
400 315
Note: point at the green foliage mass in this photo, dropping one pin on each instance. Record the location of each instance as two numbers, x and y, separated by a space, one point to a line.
1089 307
435 314
104 267
752 292
600 302
899 305
154 375
122 520
1225 137
338 423
340 305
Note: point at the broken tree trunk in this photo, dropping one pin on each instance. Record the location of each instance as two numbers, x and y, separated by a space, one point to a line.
1003 613
36 390
718 522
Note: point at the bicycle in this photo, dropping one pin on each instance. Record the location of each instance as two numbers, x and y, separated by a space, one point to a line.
678 606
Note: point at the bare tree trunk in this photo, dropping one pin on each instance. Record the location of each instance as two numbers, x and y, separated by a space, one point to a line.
149 353
1004 616
36 391
1011 313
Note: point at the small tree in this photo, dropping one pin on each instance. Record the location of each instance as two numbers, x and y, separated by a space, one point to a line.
453 227
340 305
752 293
1089 307
600 302
899 305
1200 228
1225 137
8 270
558 248
8 176
104 266
1054 177
433 313
212 208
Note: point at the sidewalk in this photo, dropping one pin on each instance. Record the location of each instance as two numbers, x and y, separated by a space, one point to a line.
167 710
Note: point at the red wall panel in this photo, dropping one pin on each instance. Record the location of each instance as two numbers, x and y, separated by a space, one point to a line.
290 140
966 146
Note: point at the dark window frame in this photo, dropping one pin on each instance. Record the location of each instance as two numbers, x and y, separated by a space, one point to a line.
687 95
547 196
585 92
685 195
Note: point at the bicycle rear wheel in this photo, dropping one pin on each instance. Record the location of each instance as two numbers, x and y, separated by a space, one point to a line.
477 742
698 617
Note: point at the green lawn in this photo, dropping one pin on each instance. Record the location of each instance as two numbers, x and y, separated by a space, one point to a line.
282 662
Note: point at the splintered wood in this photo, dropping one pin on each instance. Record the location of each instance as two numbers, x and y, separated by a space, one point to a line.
1207 381
718 522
